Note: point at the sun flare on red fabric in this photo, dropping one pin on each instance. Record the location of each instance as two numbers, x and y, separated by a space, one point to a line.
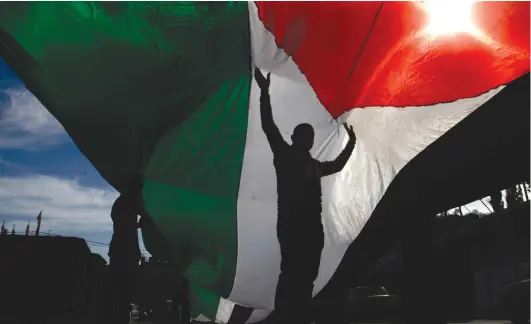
450 18
361 54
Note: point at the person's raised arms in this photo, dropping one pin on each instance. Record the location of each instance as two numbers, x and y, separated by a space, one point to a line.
266 112
328 168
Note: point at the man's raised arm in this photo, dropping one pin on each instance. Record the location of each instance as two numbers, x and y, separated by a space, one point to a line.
331 167
266 112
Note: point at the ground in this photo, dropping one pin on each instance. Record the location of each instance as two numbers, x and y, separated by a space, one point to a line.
169 322
472 322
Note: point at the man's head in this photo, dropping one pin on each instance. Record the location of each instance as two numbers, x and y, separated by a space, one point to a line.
303 136
133 188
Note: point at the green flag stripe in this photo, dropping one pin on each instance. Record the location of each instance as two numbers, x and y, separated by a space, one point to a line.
120 75
157 88
192 183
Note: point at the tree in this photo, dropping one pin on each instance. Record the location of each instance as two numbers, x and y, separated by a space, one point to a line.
496 201
514 196
444 214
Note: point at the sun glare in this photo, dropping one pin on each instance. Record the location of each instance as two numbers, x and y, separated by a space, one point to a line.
449 17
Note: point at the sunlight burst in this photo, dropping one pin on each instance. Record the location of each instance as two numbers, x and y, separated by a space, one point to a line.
449 18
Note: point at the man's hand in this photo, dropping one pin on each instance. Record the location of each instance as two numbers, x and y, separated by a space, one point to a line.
262 82
350 132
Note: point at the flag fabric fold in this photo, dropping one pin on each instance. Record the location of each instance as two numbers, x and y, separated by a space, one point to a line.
169 86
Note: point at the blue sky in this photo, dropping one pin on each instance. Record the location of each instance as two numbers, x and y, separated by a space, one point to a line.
42 169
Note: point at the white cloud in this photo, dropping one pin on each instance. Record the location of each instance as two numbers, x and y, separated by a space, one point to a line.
26 124
69 209
67 206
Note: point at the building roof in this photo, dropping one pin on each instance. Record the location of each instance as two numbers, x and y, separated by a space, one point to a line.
39 271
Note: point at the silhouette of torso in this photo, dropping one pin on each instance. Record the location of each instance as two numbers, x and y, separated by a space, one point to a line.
124 242
298 178
298 188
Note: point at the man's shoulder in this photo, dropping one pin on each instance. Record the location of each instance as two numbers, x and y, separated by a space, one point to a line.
118 202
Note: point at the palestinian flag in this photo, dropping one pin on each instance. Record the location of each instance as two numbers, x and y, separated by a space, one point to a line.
166 89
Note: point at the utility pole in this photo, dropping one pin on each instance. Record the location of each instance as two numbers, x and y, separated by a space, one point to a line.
39 219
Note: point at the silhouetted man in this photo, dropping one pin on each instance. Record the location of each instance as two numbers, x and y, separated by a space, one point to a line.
299 227
124 252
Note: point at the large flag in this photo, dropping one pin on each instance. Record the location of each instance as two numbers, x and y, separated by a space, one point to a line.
166 89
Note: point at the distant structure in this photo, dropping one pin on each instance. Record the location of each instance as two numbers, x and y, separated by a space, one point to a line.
51 276
478 256
39 219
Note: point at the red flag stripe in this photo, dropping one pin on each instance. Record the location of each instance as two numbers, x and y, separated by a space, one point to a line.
353 60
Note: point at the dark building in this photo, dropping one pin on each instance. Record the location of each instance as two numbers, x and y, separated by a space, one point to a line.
477 255
95 283
499 256
480 256
48 277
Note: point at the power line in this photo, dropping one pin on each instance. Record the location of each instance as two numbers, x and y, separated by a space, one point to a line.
89 242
